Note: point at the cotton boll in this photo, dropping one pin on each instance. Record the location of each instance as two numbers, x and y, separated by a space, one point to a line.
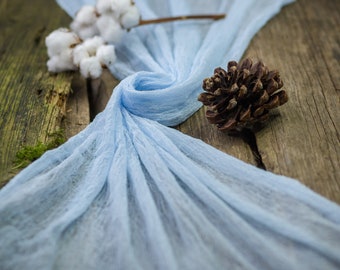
106 55
52 64
61 62
103 6
104 22
84 23
66 59
84 31
76 26
79 53
120 6
130 18
87 49
88 32
90 67
92 44
86 15
110 30
60 40
113 35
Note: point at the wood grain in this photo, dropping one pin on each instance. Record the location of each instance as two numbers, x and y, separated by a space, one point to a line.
301 140
32 102
77 115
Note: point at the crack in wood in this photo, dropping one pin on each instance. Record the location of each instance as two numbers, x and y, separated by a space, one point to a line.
99 92
39 35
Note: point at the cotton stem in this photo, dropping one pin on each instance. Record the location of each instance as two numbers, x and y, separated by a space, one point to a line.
181 18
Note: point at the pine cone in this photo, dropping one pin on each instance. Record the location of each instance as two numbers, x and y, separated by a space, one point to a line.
241 96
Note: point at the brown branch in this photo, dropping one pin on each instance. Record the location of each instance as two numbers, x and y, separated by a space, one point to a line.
249 138
181 18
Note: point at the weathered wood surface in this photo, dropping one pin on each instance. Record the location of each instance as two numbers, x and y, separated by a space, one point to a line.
32 103
300 141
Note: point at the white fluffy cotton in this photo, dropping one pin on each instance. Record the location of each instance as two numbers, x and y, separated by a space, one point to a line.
76 26
110 29
90 67
92 44
61 62
84 31
130 18
60 40
88 32
106 55
120 6
87 49
84 24
85 46
86 15
60 45
103 6
79 53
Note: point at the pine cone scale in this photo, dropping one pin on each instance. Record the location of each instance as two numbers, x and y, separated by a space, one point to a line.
245 115
230 125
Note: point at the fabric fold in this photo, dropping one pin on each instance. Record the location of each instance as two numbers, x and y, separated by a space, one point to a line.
129 192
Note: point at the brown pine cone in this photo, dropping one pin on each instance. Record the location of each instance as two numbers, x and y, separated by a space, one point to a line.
241 96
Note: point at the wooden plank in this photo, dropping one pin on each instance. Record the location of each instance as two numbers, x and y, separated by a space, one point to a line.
77 115
302 138
303 142
32 102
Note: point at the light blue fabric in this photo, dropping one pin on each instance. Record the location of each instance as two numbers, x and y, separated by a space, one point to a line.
131 193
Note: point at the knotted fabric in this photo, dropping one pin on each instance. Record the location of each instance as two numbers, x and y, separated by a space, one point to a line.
129 192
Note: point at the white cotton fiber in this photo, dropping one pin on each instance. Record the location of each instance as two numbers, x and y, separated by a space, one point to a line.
90 67
106 55
131 17
76 26
60 40
84 24
92 44
103 6
110 29
86 15
79 53
120 6
84 31
61 62
88 32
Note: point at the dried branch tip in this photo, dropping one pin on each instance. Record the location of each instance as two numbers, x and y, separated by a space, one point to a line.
214 17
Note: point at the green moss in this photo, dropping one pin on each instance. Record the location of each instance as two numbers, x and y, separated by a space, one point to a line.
28 154
58 138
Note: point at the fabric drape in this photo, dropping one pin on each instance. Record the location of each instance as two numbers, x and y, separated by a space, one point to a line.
130 192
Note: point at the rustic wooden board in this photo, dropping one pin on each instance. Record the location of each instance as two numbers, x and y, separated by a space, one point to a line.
300 141
302 138
32 102
304 142
77 115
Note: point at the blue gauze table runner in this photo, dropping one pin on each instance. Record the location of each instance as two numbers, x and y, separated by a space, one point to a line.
129 192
